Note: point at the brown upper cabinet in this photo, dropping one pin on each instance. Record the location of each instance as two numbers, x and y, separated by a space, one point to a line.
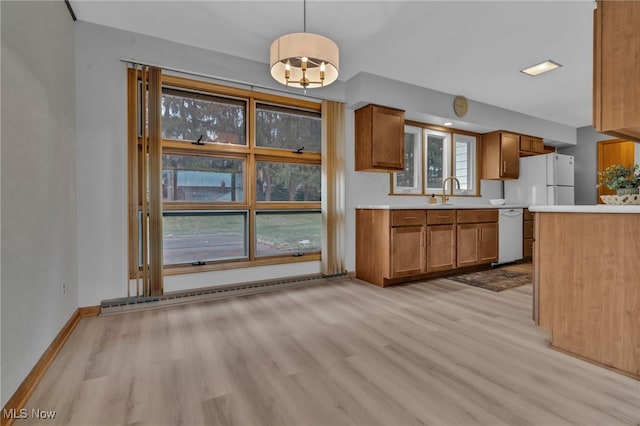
616 68
379 138
531 145
500 155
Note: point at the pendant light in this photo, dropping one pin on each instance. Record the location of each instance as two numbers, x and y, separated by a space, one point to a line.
304 60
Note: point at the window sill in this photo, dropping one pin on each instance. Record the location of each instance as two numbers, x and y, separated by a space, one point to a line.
221 266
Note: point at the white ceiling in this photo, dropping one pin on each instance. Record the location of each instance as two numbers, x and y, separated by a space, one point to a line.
470 48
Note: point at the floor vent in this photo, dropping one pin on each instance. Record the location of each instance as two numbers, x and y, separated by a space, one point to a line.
129 304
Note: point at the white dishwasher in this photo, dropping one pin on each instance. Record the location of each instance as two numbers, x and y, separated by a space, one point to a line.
510 235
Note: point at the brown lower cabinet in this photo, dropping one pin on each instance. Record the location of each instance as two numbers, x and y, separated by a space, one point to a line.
401 245
407 251
477 237
477 244
441 252
527 234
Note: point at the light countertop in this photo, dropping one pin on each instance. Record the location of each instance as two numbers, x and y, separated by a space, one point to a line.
440 206
599 208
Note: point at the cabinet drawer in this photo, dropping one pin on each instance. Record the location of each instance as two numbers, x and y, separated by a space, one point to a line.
440 217
527 215
528 229
407 217
477 216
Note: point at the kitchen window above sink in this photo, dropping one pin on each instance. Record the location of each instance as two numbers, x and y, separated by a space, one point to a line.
432 154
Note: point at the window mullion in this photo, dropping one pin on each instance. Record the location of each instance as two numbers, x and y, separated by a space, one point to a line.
252 178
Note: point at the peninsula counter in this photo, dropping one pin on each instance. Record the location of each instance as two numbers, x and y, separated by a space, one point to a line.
587 282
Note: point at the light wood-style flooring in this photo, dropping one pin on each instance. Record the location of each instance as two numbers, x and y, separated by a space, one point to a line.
344 353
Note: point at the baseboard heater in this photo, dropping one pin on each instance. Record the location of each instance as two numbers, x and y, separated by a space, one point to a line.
128 304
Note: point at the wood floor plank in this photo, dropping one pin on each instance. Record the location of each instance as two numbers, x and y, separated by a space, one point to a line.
344 353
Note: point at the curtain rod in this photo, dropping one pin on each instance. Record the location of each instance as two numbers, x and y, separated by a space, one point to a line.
213 77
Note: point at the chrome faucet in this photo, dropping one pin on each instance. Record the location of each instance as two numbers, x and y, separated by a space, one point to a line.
444 185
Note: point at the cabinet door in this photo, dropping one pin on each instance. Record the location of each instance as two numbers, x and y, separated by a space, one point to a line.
387 144
407 251
441 248
487 242
527 249
526 143
467 246
616 96
510 156
537 145
530 145
527 230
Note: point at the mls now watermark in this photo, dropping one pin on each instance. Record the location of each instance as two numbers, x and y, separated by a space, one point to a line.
34 413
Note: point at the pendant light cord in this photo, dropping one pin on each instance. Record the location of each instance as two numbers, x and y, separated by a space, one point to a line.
304 15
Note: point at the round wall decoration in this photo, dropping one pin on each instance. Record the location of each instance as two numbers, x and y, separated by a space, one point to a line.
460 106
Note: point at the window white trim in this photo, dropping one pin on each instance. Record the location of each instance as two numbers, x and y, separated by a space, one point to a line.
445 161
412 157
459 159
465 168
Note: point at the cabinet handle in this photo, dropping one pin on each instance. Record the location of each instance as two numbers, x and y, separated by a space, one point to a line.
443 217
504 166
480 234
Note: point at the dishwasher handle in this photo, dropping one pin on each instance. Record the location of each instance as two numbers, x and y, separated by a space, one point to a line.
511 212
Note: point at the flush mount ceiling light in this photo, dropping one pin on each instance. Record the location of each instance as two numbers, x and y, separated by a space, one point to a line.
541 68
304 60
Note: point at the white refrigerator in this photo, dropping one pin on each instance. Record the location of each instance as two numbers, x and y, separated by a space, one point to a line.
546 179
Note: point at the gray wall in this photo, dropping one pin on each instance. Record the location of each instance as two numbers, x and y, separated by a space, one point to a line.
586 163
427 105
38 183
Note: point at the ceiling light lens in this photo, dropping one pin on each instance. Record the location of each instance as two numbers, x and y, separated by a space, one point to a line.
541 68
448 123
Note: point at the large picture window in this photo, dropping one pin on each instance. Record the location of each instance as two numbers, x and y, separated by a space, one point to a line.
288 232
287 128
204 236
432 154
240 177
188 115
277 181
202 178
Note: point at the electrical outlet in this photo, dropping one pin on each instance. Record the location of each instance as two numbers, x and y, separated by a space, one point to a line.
64 288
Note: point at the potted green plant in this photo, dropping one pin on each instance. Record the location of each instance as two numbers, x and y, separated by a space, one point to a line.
625 180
